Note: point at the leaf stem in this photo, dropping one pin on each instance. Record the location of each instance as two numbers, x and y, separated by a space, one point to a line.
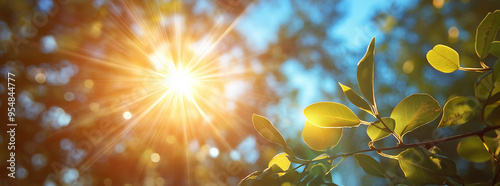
400 140
474 69
488 149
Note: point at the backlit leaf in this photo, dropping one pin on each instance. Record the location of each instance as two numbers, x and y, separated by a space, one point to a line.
443 58
281 160
355 99
329 114
457 111
370 165
422 167
321 139
378 131
486 32
365 73
268 131
415 111
472 148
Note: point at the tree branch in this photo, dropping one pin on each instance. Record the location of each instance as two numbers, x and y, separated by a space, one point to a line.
424 143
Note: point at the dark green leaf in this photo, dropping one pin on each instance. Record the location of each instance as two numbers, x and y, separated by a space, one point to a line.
422 167
268 131
415 111
370 165
483 86
486 32
365 73
355 99
291 177
495 48
494 115
457 111
378 131
329 114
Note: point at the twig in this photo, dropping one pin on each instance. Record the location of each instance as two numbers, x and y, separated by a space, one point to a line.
424 143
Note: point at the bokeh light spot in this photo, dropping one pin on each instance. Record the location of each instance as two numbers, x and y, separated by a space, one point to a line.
69 96
88 83
40 78
127 115
94 107
213 152
155 157
438 3
408 67
170 139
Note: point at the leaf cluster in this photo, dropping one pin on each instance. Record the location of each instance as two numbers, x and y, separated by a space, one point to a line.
325 122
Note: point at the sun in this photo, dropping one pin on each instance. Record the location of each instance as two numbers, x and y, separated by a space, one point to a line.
180 81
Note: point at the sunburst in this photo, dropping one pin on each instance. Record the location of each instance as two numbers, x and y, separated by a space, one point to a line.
171 78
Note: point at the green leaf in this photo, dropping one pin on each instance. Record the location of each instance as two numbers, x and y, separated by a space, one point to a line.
443 58
415 111
422 167
365 73
494 115
457 111
370 165
290 177
281 160
329 114
495 48
496 71
251 179
336 164
486 32
483 86
268 131
319 168
378 131
472 148
321 139
355 99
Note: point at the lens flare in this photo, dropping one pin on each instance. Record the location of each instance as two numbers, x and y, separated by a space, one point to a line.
180 81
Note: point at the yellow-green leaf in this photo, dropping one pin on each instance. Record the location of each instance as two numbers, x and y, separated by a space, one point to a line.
329 114
321 139
472 148
281 160
355 99
268 131
365 73
370 165
378 131
457 111
415 111
443 58
486 33
495 48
